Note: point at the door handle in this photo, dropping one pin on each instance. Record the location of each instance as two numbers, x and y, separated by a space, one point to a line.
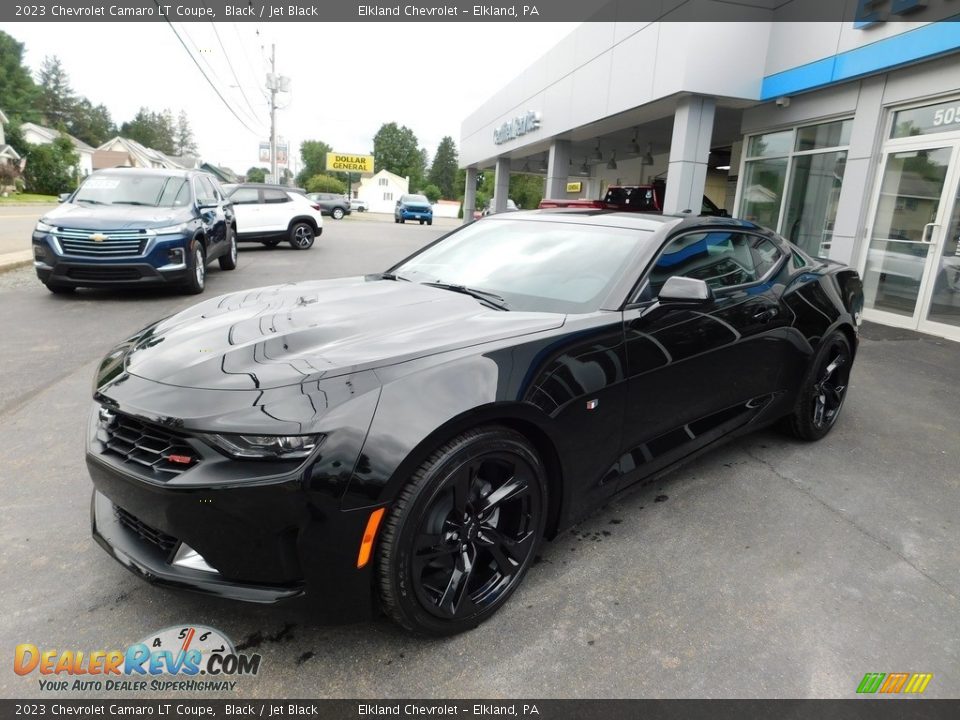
766 315
923 235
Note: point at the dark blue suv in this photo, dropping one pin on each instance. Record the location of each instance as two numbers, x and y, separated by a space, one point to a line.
136 227
413 207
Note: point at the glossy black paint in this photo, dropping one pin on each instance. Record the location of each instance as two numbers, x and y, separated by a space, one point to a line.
388 370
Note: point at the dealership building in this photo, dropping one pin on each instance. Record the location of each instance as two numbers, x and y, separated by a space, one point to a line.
842 136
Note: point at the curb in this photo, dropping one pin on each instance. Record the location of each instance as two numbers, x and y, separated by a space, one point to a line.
12 261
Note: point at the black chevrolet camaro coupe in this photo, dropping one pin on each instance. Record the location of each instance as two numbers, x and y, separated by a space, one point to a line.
405 440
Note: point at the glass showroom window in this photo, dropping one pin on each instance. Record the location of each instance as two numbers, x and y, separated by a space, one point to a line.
805 208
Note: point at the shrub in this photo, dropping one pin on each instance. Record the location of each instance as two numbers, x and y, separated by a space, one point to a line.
432 192
325 183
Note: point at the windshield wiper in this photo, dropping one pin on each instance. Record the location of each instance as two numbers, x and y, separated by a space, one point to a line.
482 295
91 202
393 276
132 202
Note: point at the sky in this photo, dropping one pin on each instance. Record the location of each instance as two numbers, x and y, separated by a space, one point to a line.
346 78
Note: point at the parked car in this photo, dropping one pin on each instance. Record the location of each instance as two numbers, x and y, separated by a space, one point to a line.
270 214
336 206
359 205
488 210
136 227
404 440
413 207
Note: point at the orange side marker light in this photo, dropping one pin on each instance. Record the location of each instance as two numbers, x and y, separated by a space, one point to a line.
369 535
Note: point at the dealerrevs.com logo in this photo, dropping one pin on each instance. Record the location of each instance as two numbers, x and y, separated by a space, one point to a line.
182 658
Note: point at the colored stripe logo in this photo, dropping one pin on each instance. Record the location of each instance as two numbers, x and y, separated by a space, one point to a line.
894 683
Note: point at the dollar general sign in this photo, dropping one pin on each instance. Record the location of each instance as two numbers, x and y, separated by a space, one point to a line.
349 163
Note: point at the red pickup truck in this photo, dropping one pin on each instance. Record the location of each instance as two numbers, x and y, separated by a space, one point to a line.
630 198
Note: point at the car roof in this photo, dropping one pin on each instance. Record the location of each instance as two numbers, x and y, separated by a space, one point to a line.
615 218
159 172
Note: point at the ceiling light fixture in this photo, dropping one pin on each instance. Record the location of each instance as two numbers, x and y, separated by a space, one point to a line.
648 158
612 165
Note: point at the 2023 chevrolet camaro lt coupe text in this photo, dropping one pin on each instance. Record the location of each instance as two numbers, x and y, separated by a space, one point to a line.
405 440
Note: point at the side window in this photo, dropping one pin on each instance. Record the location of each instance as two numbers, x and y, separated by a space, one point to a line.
206 195
719 257
275 196
245 196
766 255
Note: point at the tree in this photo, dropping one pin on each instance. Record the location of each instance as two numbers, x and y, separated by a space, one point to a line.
325 183
18 91
526 190
52 169
153 129
57 100
396 150
313 155
432 192
443 172
90 123
257 174
184 138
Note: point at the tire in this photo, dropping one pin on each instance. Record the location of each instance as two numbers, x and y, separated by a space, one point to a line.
421 222
437 532
270 243
197 277
302 236
396 219
429 222
403 221
823 391
337 213
228 261
57 289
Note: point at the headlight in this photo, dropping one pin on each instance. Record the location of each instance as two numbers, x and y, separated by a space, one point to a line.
42 227
265 447
173 229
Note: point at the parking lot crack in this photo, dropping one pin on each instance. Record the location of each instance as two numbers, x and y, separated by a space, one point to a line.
850 521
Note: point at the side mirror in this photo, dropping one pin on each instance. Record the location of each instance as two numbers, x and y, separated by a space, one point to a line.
686 290
63 197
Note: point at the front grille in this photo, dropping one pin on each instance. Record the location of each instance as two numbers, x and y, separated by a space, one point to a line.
145 446
112 243
104 272
155 537
411 208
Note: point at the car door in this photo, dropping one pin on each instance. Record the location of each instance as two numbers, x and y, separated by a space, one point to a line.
247 209
699 370
277 210
210 206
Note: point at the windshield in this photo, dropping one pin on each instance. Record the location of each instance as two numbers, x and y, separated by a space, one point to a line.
134 189
532 265
415 199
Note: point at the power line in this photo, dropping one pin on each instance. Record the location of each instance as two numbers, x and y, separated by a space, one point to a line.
232 70
205 77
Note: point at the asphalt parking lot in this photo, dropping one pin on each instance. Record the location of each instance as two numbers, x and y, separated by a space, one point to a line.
769 568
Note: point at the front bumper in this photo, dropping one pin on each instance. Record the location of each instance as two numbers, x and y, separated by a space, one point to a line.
151 268
416 215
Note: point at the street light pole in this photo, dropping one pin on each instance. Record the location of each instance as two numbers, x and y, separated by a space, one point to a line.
272 84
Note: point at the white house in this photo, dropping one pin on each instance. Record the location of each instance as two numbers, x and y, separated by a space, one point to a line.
121 151
382 190
7 153
40 135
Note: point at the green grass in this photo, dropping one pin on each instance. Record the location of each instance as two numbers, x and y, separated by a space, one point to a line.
27 198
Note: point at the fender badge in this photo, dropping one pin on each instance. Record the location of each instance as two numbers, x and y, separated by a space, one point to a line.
592 404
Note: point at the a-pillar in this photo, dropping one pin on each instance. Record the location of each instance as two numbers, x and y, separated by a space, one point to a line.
689 154
470 195
558 169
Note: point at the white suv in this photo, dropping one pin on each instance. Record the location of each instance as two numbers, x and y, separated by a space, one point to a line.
270 214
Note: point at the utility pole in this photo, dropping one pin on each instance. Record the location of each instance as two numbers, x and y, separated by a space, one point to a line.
275 84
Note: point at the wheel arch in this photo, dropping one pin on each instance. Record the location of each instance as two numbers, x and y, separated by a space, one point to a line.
519 417
303 218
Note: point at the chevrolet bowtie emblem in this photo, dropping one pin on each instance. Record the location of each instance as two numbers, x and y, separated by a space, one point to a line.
98 237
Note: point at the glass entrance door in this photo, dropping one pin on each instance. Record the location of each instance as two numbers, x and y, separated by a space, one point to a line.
943 304
915 198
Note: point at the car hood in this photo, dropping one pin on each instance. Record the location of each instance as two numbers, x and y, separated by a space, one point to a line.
301 332
114 217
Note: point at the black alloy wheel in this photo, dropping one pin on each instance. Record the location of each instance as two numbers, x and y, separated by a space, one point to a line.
337 213
301 236
463 532
228 261
824 389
